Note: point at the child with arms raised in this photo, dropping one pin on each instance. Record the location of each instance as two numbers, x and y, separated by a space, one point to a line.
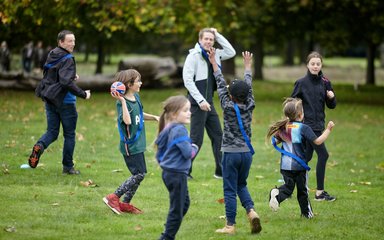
238 105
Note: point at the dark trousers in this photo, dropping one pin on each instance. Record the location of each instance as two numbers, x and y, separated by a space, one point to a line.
176 184
201 120
66 115
298 178
235 174
322 157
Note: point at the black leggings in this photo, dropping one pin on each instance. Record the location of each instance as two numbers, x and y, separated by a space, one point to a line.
322 157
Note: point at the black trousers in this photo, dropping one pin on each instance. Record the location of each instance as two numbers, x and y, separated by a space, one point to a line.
177 185
298 178
201 120
322 157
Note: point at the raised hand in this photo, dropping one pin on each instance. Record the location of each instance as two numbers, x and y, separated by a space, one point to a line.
247 58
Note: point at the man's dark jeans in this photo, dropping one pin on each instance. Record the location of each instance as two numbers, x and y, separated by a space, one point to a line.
67 116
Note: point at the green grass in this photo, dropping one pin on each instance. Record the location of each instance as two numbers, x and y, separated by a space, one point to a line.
43 204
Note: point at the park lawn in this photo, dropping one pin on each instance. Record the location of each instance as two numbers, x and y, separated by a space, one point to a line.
42 203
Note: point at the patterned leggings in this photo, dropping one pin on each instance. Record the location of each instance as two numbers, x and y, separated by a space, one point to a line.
129 187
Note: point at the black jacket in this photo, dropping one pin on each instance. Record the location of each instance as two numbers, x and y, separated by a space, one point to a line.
312 90
59 79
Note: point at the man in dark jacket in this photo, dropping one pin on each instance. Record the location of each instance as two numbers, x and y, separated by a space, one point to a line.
58 90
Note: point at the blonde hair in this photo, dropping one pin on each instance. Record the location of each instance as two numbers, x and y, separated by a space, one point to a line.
127 77
292 108
171 106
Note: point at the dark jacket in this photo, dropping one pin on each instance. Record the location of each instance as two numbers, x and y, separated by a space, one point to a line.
312 90
59 79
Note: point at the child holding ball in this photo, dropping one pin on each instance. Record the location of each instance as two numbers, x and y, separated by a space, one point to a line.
130 122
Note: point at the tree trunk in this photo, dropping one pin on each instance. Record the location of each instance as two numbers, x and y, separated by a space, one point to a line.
100 57
258 60
370 77
228 66
289 53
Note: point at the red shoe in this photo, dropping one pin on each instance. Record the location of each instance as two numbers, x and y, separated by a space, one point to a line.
112 201
129 208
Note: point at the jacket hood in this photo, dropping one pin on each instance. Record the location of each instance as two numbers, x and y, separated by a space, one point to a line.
56 54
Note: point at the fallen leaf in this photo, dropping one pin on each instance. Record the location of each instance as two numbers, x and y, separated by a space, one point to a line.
117 170
221 200
55 204
222 217
138 228
352 170
353 191
365 183
332 164
88 165
259 177
80 137
10 229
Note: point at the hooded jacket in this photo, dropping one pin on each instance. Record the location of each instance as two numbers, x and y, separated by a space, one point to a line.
59 79
177 157
312 90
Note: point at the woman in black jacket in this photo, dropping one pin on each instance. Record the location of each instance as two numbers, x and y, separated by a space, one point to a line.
316 91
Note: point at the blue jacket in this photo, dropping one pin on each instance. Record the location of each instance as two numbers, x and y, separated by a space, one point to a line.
177 157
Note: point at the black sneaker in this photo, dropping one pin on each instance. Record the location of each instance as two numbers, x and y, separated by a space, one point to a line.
34 158
324 196
71 171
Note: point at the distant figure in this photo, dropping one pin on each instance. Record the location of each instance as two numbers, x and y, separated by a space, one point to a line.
38 56
26 57
5 57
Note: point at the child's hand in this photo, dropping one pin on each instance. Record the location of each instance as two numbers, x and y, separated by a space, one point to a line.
330 125
117 95
330 94
211 55
247 57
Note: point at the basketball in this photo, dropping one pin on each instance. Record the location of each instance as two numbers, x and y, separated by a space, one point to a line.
118 87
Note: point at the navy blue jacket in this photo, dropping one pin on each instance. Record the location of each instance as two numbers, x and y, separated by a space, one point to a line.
59 79
312 90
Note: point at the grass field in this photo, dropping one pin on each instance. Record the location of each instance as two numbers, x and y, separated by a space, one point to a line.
44 204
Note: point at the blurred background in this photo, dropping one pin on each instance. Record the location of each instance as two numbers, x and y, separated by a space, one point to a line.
157 34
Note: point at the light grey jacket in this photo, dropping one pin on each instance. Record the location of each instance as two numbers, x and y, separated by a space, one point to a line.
195 70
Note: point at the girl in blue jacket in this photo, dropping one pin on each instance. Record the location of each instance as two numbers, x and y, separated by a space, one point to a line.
174 155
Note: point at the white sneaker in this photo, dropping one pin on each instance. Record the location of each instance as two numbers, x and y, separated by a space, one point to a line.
273 203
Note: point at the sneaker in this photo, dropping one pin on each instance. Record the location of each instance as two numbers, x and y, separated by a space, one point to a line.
227 229
254 220
324 196
34 158
273 203
113 202
71 171
129 208
217 176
